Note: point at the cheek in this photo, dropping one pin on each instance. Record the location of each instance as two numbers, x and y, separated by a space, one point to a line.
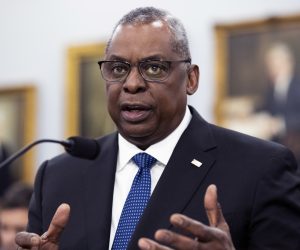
112 95
112 99
172 96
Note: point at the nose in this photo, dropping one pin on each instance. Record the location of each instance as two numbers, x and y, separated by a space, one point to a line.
134 82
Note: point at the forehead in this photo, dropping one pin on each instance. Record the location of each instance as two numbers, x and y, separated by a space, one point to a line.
137 41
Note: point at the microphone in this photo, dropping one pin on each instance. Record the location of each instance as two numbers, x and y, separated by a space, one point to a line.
76 146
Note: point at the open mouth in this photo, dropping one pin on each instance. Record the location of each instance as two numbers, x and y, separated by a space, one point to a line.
135 112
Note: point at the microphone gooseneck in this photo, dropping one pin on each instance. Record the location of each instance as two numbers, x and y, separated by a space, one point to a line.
76 146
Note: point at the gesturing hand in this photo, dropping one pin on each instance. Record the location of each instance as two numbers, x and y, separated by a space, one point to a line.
50 239
215 236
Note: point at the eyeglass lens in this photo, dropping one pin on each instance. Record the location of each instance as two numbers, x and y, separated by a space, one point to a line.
150 70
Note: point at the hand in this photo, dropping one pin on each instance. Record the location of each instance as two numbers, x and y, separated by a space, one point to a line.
50 239
215 236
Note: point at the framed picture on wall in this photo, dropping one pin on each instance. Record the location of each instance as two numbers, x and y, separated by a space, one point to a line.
257 78
87 114
17 127
241 73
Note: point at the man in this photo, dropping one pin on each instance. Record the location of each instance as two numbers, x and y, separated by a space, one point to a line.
148 75
13 214
283 92
282 97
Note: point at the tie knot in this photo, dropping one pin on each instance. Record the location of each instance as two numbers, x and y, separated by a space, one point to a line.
143 160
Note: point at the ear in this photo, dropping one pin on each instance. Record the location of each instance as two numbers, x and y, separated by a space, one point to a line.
193 79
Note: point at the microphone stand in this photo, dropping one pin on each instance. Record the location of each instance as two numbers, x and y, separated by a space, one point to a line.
67 144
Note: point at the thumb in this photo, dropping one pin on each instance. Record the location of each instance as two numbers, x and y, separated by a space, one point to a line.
212 207
58 223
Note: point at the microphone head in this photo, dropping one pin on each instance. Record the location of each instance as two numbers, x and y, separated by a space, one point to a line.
82 147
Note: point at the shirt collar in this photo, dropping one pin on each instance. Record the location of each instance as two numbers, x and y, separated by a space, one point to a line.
161 150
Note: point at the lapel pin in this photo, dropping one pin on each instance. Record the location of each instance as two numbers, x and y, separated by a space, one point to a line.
196 163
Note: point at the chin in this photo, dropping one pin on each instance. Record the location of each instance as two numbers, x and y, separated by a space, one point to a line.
135 133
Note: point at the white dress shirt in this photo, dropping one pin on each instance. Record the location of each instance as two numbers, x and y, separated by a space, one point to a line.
127 169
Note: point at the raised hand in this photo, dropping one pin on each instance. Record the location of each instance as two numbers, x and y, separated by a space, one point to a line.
215 236
50 239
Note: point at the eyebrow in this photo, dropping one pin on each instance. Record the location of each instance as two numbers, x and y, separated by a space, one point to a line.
152 57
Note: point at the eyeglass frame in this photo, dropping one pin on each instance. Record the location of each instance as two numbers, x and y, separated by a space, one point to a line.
169 62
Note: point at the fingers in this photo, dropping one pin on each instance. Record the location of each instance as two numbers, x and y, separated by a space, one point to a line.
28 240
211 205
147 244
214 236
213 208
173 240
58 223
201 231
177 241
33 241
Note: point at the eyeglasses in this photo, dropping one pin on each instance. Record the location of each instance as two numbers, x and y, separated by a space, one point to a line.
150 70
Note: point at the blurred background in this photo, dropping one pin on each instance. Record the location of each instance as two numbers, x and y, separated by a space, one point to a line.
49 75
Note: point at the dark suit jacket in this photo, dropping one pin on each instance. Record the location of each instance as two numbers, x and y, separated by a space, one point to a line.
258 187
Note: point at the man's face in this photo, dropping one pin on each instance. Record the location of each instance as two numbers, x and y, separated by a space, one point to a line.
12 221
146 112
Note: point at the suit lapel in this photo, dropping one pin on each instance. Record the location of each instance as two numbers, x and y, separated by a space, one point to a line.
180 178
99 181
